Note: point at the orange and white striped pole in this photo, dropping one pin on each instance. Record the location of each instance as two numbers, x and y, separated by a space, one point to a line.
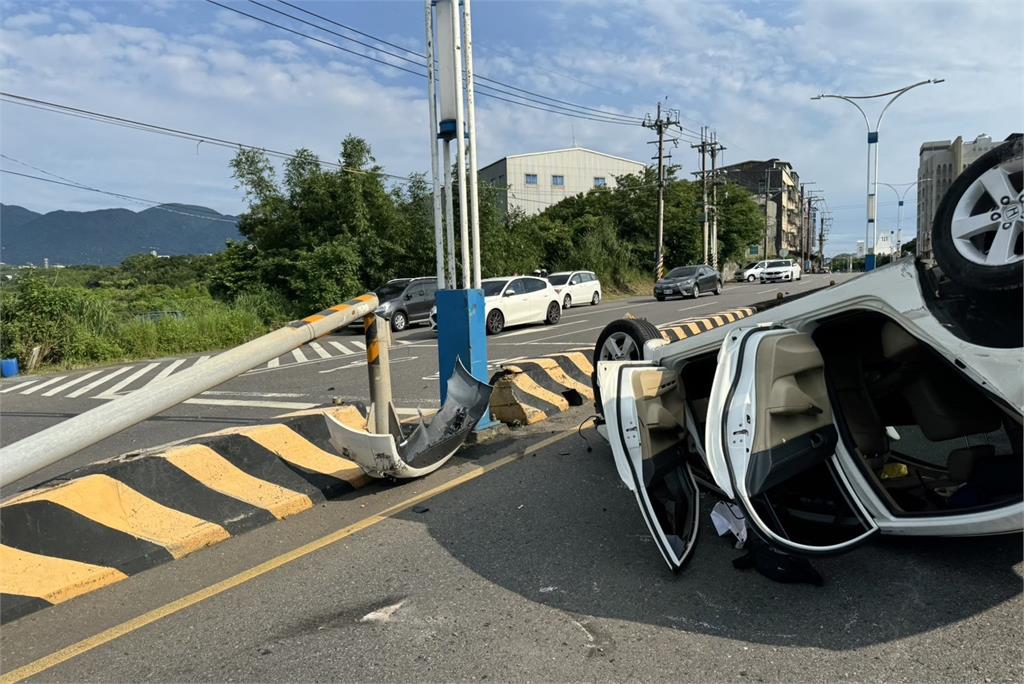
378 342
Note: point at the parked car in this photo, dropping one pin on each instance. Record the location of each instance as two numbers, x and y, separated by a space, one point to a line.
688 281
779 270
890 404
406 301
751 271
576 287
518 300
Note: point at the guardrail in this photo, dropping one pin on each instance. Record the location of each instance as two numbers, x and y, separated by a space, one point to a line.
59 441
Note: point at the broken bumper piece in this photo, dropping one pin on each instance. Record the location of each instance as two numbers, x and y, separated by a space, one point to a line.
429 446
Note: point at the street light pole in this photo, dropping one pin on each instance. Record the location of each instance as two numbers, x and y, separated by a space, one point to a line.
901 194
871 230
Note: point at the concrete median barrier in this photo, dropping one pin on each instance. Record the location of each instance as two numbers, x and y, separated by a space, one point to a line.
102 523
529 390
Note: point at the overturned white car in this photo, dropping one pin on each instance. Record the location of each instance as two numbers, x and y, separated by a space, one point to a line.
892 403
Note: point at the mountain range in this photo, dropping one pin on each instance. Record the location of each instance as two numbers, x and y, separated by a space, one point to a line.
106 236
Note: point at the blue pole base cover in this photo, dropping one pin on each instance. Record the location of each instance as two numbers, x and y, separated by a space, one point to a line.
869 263
461 335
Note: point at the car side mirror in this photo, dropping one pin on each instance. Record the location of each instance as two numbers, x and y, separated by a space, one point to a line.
510 293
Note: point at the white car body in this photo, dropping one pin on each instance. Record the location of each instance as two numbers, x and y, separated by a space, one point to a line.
793 332
521 299
752 273
777 270
581 287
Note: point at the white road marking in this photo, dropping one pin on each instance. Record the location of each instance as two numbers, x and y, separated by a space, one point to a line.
18 386
112 392
359 344
763 291
226 393
168 370
96 383
321 352
294 405
572 332
695 306
357 364
342 348
273 363
202 359
49 382
299 356
69 384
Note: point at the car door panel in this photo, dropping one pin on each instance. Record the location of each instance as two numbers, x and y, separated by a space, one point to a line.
771 425
644 407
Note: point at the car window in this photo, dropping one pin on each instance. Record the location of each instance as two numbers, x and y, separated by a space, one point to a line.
534 284
517 286
391 290
576 279
492 288
682 272
592 277
558 279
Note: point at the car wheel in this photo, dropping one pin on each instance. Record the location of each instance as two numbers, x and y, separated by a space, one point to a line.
495 322
750 278
567 302
718 288
979 226
554 313
696 291
660 298
399 321
596 299
621 340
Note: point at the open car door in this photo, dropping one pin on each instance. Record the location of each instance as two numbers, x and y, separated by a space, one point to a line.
770 441
644 409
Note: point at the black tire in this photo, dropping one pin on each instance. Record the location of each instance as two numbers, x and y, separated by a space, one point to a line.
696 291
751 278
660 298
718 288
554 314
399 321
495 322
958 267
596 299
567 302
639 330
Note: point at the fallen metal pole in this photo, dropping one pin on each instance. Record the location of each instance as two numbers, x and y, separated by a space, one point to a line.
378 362
59 441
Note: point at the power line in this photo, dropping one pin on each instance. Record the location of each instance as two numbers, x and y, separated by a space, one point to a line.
541 106
155 205
67 110
625 117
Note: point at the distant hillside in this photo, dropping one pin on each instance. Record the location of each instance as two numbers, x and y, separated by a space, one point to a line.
106 236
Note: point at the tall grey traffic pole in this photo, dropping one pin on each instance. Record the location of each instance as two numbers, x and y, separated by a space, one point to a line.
432 103
460 138
901 195
474 195
871 230
449 218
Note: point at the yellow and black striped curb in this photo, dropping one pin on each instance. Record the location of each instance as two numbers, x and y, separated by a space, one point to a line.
99 524
527 391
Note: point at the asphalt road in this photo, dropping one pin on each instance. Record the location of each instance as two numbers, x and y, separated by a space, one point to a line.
540 569
332 368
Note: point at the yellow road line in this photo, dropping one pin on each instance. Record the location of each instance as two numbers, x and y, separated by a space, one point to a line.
117 631
220 475
109 502
53 579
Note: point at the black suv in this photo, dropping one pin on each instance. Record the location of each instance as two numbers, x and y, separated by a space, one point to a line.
404 301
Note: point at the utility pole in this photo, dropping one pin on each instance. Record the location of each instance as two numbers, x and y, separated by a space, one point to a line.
708 146
715 149
768 189
660 124
703 147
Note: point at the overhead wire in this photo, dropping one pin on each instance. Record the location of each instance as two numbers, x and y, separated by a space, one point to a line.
57 108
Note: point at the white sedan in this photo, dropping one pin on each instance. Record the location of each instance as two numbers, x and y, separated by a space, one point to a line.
890 404
519 300
577 287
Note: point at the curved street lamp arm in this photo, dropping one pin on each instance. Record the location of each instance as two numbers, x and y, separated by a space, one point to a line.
897 95
898 91
850 100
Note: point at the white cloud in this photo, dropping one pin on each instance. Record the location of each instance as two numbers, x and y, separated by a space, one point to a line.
27 20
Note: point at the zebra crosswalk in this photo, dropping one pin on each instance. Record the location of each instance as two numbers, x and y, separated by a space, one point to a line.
110 383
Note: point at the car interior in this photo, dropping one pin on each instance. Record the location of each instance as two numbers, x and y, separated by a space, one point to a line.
927 438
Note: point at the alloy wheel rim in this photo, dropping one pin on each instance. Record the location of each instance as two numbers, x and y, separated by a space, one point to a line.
619 347
988 221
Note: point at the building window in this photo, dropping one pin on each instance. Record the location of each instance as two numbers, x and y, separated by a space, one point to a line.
531 179
558 181
599 182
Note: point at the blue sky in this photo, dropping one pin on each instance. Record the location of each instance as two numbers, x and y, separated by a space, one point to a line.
747 69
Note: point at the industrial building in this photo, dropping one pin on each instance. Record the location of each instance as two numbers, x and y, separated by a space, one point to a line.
534 181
